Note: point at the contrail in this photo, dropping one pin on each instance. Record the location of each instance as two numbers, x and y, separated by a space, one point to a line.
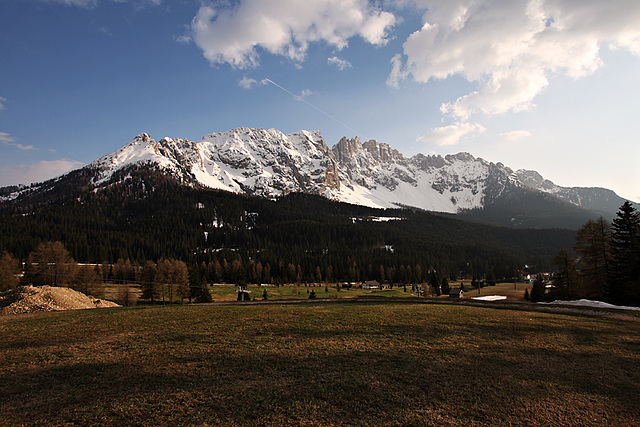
299 98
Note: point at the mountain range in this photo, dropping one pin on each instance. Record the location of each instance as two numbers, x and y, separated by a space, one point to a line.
271 164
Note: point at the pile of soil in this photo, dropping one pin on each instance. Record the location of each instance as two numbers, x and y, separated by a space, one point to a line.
31 299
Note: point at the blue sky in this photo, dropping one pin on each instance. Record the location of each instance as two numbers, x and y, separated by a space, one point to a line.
548 85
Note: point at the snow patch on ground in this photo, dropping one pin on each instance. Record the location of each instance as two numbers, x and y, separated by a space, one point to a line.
590 303
491 298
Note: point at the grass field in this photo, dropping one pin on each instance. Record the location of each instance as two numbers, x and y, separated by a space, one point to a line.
227 292
342 363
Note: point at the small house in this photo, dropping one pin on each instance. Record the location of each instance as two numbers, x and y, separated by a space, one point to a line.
371 284
456 293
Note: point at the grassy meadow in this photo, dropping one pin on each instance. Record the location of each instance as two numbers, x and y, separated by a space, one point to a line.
227 292
343 363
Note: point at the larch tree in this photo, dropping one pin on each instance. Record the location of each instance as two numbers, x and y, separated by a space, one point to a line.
49 264
566 281
593 249
8 271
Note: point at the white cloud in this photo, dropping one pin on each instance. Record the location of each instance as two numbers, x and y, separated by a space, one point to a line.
6 138
36 172
2 101
515 135
79 3
9 141
304 94
184 39
451 134
341 64
398 72
88 4
284 27
511 49
247 82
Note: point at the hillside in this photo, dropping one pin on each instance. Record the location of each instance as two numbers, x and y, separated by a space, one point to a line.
149 216
270 164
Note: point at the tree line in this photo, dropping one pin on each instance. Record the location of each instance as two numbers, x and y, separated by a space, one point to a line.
225 237
605 261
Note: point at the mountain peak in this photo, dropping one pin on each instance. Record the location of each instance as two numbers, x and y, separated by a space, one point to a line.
269 163
143 137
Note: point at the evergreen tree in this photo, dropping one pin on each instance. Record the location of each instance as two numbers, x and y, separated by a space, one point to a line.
147 278
444 286
538 290
625 251
434 283
199 290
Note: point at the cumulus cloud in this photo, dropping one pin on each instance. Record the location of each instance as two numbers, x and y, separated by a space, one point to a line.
451 134
284 27
36 172
515 135
341 64
511 49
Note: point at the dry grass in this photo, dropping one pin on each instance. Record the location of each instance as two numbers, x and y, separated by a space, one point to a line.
348 363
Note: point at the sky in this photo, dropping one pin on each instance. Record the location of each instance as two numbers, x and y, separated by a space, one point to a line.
545 85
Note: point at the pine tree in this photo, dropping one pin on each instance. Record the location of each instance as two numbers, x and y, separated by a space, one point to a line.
147 277
444 286
538 290
625 251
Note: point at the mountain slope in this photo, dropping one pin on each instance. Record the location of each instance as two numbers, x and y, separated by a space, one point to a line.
148 216
271 164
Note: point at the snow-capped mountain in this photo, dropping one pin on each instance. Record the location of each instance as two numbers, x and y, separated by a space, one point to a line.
253 161
269 163
597 199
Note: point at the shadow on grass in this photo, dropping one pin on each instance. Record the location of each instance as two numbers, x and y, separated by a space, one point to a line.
322 366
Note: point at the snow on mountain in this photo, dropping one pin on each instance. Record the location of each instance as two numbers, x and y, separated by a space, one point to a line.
268 163
597 199
255 161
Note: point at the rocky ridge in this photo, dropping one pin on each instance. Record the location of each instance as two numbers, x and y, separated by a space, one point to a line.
269 163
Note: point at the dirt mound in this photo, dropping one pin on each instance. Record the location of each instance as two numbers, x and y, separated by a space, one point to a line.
30 299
